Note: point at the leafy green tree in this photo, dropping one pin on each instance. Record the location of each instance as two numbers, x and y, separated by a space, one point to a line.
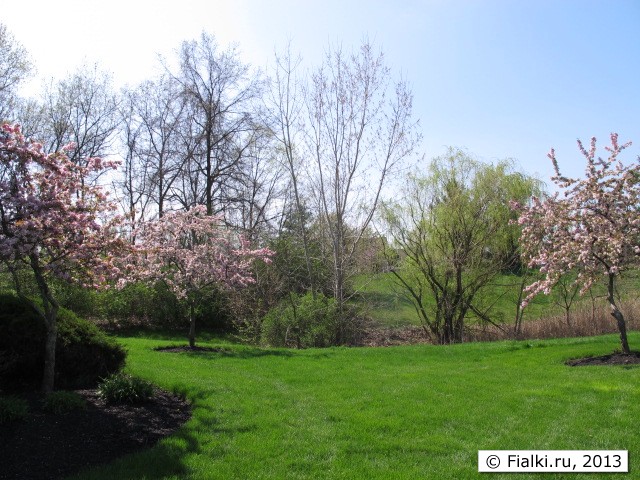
455 229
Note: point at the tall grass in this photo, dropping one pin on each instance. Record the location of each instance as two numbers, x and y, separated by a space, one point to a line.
397 323
583 321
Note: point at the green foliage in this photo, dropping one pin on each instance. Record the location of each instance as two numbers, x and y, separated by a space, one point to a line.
84 302
454 228
121 388
291 266
12 409
139 303
63 401
83 352
302 321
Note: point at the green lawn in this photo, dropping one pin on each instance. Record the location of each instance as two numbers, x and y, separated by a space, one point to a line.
402 412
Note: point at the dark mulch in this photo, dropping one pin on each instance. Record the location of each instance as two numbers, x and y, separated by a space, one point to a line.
613 359
187 348
49 446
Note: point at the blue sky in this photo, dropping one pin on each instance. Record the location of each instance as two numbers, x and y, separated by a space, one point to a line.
502 79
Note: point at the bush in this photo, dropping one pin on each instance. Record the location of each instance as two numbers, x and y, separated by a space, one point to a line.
12 409
63 402
138 303
302 322
121 388
84 354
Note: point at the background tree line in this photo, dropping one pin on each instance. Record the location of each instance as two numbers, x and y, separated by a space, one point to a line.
309 162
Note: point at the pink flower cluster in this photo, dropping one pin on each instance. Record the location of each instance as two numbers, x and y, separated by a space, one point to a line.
50 214
190 250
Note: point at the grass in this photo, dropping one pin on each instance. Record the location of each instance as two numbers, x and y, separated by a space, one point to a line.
383 301
387 305
402 412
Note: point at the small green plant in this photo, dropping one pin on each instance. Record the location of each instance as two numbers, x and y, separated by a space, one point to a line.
122 388
63 402
302 321
12 409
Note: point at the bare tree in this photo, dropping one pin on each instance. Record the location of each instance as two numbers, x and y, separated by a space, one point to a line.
132 187
14 68
284 104
30 114
565 294
154 113
359 134
220 93
260 187
81 109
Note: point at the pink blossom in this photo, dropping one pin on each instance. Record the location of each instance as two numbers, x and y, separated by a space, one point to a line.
593 228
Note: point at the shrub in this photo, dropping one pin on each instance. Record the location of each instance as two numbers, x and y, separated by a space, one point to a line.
302 322
80 300
84 354
121 388
138 303
12 409
63 401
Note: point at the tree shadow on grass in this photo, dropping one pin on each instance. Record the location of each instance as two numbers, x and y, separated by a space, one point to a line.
172 335
170 457
225 352
46 445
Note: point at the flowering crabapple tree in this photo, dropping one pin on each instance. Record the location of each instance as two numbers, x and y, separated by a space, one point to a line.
191 251
54 223
593 228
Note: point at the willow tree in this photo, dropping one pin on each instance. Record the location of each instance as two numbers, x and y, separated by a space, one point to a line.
454 229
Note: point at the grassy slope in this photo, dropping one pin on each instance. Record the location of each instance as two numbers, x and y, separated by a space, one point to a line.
387 305
403 412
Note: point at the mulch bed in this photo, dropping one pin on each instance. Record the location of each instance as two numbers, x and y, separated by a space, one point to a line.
613 359
49 446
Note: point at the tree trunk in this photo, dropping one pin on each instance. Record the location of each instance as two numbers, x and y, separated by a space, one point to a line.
192 326
48 377
617 314
50 314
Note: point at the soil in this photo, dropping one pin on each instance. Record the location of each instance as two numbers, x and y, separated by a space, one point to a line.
50 446
390 337
613 359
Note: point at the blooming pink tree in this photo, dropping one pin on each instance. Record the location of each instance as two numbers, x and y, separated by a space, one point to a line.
191 251
593 228
53 222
